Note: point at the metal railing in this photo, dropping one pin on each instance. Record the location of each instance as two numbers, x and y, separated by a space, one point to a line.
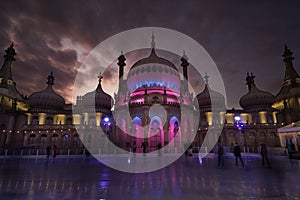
39 151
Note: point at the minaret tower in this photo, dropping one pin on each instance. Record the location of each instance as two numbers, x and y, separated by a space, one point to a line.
121 63
287 99
14 101
290 72
5 71
184 63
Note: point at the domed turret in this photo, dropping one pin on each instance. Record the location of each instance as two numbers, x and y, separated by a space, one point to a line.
98 98
209 98
256 99
46 100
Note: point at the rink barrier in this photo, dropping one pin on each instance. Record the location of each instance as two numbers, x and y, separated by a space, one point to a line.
82 151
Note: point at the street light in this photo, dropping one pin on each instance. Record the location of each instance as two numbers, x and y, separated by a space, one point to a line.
240 126
106 119
106 122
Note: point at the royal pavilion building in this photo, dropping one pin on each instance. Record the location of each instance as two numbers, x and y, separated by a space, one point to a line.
154 94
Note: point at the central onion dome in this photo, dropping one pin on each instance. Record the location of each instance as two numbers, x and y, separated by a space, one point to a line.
98 99
153 58
256 98
153 71
46 99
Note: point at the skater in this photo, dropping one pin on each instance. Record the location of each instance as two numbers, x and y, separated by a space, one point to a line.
54 150
48 150
220 156
144 147
237 154
134 147
158 147
264 155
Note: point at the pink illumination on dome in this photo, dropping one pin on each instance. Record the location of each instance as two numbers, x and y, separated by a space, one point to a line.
153 75
170 100
138 101
151 91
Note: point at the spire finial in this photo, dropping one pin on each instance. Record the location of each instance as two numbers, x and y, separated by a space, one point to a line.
206 78
153 41
250 80
100 77
287 54
50 79
185 56
10 53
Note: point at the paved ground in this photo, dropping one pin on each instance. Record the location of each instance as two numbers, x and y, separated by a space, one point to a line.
187 178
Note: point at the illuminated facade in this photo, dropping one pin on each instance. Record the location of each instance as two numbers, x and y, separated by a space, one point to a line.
156 99
148 106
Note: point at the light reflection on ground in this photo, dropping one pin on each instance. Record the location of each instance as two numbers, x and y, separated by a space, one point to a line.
187 178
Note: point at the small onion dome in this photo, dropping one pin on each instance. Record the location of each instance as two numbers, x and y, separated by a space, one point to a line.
209 99
98 99
47 98
256 98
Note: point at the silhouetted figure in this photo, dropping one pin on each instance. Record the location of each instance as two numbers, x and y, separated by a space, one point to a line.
264 154
158 147
134 147
54 150
144 147
237 154
293 144
87 152
189 150
220 155
48 150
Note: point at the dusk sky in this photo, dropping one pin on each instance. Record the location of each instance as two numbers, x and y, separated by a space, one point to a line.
240 37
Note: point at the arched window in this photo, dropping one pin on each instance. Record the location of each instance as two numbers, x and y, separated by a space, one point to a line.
66 140
69 120
137 129
92 120
174 125
32 139
43 140
262 137
35 119
255 119
49 120
269 119
76 141
54 139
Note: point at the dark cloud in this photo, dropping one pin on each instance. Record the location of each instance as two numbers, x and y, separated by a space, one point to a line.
240 37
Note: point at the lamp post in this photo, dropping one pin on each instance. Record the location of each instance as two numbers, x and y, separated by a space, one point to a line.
240 126
106 122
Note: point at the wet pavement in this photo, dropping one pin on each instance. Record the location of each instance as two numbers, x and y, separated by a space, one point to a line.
187 178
